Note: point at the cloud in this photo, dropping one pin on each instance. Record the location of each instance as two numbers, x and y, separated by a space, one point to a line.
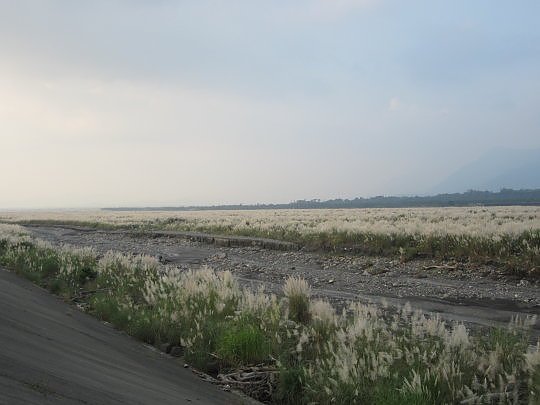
343 6
122 111
325 10
394 104
205 99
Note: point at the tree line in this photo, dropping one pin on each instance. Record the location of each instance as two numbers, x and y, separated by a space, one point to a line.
468 198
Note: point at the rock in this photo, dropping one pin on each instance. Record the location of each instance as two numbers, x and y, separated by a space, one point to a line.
186 365
163 260
212 367
165 347
177 351
222 242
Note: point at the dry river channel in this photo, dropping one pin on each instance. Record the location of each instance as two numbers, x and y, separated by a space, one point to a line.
478 295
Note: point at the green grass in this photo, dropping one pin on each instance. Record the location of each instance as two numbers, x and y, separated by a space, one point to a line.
242 343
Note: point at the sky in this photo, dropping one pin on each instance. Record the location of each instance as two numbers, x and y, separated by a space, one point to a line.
142 103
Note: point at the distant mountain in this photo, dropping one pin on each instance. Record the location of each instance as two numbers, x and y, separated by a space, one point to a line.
498 169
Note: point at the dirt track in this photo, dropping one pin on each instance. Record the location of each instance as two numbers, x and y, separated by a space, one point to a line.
51 353
478 295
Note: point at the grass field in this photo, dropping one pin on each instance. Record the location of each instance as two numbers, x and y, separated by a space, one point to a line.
291 349
505 236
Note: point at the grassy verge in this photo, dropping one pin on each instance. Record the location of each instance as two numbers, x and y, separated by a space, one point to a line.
297 350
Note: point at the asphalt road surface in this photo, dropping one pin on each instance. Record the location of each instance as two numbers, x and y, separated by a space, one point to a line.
50 353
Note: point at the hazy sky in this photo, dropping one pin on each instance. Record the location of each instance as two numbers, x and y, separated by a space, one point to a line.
188 102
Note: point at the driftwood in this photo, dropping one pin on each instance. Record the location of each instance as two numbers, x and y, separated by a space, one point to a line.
258 381
84 294
441 267
205 377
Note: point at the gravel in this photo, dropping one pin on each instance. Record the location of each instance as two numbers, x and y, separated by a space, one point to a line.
462 291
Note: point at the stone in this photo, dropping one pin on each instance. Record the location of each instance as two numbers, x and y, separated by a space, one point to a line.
165 347
225 242
212 367
177 351
523 283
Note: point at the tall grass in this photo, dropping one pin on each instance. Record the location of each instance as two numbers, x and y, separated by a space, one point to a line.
363 355
507 236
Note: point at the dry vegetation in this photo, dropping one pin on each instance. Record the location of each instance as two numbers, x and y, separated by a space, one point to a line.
506 236
473 221
292 349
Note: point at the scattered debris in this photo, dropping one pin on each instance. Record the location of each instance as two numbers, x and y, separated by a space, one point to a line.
523 283
258 381
441 267
177 351
165 347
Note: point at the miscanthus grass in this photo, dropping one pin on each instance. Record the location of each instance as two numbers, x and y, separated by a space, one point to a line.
506 236
360 355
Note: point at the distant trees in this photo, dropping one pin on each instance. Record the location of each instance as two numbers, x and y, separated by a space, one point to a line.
469 198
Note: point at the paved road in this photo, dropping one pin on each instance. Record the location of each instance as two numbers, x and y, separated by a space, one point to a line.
53 354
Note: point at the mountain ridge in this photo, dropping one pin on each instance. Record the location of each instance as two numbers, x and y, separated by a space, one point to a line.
500 168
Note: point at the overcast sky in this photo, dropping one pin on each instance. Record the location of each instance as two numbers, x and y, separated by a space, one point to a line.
108 103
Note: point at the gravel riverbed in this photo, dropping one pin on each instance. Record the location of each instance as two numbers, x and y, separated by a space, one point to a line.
475 294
